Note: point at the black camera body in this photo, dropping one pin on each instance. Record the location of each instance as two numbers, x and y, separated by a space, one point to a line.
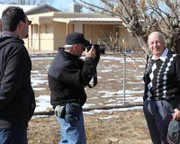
100 49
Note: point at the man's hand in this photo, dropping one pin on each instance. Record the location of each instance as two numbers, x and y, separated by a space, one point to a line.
176 115
91 52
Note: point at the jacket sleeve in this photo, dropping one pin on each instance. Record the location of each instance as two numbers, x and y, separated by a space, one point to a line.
177 68
15 64
177 71
78 76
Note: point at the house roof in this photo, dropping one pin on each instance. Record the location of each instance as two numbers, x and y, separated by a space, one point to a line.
42 7
88 20
28 9
80 15
73 18
24 7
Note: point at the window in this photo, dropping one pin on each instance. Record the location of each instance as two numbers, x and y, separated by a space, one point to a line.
46 28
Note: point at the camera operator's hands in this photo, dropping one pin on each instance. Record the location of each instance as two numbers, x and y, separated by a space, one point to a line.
91 52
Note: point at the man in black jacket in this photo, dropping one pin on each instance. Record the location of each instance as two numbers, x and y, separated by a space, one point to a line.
68 75
17 102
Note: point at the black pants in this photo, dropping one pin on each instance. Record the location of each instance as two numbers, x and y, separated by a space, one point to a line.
158 115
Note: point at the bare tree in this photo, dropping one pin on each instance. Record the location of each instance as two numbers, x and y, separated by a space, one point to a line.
25 2
141 17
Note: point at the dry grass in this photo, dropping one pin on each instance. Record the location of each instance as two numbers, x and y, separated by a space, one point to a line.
124 127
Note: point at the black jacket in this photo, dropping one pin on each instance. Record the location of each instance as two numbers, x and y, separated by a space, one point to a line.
68 75
17 102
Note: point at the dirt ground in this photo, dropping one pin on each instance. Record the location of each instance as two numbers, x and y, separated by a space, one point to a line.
126 127
122 128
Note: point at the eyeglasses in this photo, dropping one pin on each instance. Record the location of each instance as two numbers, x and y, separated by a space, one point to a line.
29 22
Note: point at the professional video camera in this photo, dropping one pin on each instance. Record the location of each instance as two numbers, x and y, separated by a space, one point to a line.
100 49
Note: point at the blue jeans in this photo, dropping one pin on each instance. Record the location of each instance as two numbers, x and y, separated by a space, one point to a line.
13 135
72 133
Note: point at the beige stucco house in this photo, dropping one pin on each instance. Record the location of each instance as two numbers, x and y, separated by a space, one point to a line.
48 30
30 10
50 26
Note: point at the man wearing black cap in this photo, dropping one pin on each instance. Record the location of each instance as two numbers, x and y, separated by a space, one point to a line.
67 77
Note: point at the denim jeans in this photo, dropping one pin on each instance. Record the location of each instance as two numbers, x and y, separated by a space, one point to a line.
72 133
13 135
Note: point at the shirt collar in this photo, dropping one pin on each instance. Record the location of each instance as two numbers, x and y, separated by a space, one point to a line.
163 55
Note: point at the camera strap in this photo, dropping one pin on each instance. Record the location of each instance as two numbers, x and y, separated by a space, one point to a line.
94 81
95 76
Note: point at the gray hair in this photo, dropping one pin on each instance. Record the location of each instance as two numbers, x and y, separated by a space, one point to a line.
161 36
68 46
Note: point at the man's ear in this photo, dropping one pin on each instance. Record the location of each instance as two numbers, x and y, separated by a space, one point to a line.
20 25
75 47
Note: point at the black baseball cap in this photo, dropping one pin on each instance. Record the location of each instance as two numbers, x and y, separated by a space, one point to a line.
75 38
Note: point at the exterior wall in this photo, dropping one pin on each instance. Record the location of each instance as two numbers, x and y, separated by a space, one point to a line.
60 32
46 37
40 39
71 28
34 41
98 33
59 35
27 40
